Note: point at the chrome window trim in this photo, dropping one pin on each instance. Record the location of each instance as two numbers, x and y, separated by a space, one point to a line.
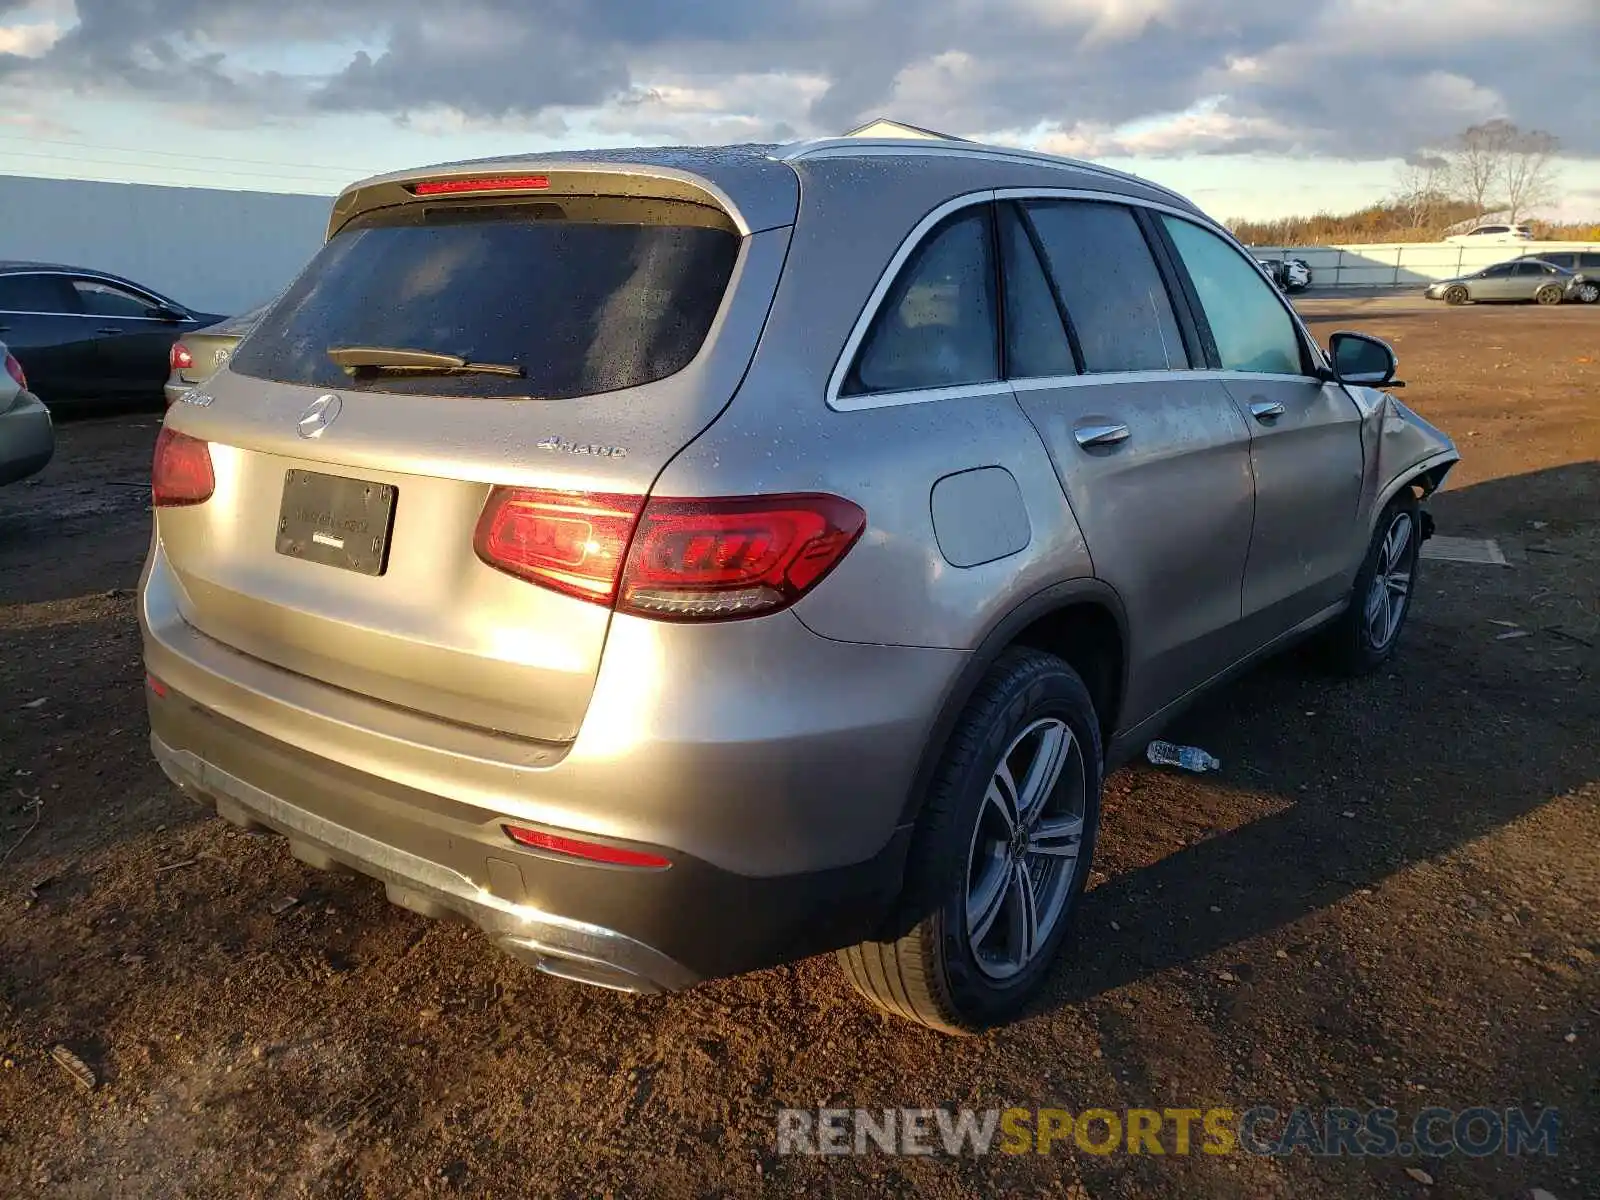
93 277
960 391
858 333
28 312
842 403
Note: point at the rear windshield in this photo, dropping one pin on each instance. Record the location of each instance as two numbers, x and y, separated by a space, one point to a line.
586 295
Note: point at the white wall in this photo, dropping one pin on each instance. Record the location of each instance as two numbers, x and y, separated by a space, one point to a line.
1398 264
212 250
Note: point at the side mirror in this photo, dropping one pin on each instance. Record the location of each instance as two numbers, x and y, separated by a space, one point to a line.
163 312
1362 359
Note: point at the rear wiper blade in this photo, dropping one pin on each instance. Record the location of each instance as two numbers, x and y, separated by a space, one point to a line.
398 360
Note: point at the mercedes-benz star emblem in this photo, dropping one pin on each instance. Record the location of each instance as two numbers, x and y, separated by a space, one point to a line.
322 413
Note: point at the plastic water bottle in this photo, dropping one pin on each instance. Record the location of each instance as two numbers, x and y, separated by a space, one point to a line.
1190 758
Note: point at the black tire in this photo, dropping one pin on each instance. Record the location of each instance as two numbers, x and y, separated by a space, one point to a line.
1352 647
1588 292
931 974
1549 295
1456 295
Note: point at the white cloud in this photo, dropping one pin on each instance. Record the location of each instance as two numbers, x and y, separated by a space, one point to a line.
30 40
1103 20
1206 128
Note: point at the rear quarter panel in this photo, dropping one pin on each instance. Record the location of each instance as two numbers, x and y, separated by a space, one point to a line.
895 587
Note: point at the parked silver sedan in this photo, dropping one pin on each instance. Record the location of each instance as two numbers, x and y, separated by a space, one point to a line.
27 438
1522 279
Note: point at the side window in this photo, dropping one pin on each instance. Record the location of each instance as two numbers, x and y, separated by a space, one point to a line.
1114 294
1250 325
936 327
105 300
1499 271
36 294
1036 339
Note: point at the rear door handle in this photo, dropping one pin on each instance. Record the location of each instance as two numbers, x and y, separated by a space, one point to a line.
1100 433
1266 410
109 330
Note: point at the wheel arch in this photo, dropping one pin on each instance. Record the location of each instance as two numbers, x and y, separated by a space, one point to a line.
1425 478
1081 621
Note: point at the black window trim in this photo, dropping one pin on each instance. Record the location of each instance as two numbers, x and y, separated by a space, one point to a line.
1019 214
1192 320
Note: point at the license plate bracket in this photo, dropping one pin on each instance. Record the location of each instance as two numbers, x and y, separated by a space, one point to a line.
336 521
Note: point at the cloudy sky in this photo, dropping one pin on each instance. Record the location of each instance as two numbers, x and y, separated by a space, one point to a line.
1254 107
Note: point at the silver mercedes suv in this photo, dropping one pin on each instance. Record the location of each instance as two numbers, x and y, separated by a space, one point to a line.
677 562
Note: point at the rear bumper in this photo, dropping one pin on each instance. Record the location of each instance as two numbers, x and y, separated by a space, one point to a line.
27 438
769 765
630 929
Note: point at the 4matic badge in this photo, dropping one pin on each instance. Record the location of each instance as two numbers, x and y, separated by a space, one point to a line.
561 445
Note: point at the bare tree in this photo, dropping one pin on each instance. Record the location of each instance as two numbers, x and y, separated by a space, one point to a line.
1528 173
1497 165
1478 161
1422 188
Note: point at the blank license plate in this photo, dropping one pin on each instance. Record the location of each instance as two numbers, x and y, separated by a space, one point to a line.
335 521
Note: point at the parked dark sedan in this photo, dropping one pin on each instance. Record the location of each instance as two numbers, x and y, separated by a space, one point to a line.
86 335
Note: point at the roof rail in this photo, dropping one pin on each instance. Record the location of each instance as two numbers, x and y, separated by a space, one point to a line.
850 147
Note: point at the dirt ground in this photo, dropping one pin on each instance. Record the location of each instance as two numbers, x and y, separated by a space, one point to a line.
1388 896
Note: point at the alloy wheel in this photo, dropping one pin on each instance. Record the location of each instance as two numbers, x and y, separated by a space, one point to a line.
1390 591
1025 848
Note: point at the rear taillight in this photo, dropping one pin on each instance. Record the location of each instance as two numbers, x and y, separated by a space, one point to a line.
678 560
572 542
181 473
14 369
180 359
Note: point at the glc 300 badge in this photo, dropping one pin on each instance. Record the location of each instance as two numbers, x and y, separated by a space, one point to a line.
560 445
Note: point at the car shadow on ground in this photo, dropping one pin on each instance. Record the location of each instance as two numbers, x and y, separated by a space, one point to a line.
1457 737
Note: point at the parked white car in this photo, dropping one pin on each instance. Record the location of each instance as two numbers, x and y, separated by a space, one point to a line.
1493 235
27 439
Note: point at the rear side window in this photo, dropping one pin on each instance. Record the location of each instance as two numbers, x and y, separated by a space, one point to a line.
1251 327
1114 294
936 327
586 295
37 294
